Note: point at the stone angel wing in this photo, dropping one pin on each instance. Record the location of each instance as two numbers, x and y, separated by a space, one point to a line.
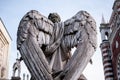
33 35
38 37
79 32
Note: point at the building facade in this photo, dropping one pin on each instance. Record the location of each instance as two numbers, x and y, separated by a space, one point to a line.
110 46
5 42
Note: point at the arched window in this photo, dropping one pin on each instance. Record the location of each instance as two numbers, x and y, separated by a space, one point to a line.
106 35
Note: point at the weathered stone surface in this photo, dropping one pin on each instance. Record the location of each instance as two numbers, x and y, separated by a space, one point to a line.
45 45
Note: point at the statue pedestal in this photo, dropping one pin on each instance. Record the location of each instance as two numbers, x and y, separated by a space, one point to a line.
16 78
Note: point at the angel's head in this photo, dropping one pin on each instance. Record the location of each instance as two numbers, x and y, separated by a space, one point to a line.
54 17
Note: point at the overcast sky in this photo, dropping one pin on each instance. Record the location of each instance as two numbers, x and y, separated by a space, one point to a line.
11 12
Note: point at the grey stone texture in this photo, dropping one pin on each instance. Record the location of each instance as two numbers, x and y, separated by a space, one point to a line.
45 44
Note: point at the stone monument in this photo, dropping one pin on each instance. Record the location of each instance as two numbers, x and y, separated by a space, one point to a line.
45 45
17 66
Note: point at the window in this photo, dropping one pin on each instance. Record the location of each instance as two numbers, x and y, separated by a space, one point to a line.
106 35
2 72
118 68
117 45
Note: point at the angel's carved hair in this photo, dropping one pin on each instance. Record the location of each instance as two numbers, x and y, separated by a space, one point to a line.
54 17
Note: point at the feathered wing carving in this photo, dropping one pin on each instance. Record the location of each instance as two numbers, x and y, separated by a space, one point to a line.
35 31
79 31
39 38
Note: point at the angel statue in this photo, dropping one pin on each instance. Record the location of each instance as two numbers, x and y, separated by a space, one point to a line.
45 45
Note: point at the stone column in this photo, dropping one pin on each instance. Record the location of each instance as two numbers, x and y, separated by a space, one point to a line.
23 76
27 77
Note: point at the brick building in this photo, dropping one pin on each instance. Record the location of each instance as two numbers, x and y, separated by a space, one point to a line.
110 46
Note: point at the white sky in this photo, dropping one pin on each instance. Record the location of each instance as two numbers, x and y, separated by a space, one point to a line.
11 12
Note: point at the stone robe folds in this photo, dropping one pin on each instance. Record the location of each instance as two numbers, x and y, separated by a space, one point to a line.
58 57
